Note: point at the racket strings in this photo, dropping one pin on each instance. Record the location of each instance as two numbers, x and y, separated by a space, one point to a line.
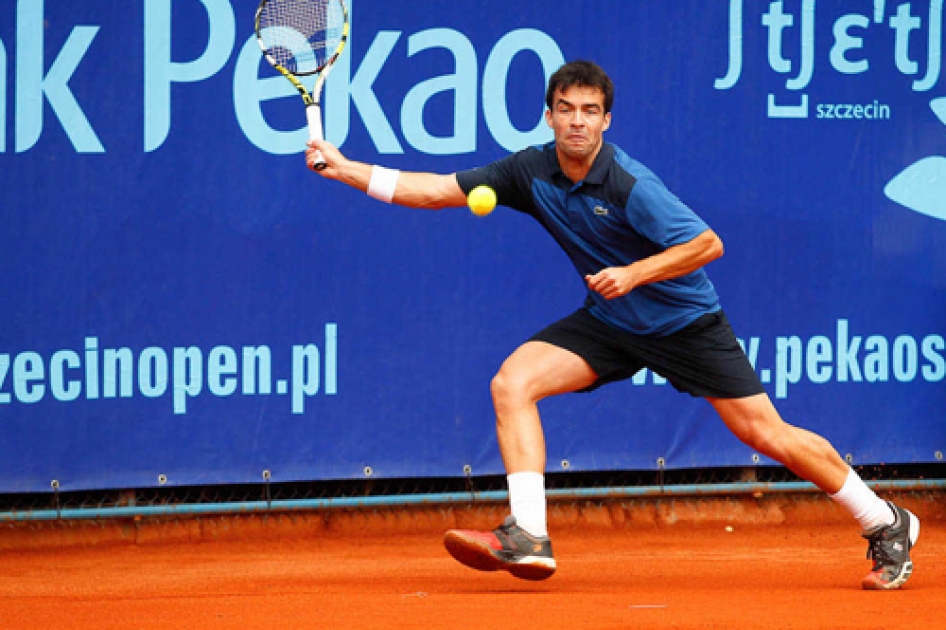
301 35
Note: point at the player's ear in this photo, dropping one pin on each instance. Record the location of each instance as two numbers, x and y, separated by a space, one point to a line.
548 117
607 121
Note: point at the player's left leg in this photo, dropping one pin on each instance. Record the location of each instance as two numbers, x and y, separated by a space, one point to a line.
755 421
890 530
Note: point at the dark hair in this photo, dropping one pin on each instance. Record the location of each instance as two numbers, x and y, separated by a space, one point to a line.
581 74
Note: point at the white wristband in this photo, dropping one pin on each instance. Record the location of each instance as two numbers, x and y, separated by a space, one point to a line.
383 183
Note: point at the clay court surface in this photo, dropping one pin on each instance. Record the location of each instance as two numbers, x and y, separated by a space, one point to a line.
381 571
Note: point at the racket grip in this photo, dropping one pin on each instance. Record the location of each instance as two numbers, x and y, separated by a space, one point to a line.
313 113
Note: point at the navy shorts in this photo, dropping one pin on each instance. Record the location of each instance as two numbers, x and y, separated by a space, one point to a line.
702 359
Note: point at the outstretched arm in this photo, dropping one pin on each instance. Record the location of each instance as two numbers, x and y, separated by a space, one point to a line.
673 262
412 189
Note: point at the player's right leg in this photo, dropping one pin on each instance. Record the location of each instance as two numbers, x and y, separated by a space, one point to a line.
506 548
521 545
536 370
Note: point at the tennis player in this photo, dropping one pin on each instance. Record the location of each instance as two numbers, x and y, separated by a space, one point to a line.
641 252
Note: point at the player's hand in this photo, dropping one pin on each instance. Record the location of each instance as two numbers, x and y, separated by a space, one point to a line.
612 282
332 156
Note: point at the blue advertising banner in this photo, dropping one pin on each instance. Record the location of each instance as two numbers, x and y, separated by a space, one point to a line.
183 302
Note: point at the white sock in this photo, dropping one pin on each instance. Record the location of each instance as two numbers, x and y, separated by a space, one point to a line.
527 501
864 505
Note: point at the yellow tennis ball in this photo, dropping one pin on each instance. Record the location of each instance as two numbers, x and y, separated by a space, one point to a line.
481 200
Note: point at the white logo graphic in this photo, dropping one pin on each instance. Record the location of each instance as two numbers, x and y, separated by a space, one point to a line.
921 187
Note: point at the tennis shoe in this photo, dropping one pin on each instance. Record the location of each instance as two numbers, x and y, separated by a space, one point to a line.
889 547
506 548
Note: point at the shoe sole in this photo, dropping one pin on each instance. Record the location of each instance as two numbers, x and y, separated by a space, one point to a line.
905 571
480 556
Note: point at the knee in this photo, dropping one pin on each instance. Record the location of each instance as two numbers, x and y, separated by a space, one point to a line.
760 440
501 387
507 388
754 421
770 437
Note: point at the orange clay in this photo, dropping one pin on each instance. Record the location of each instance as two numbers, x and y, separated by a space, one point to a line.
296 571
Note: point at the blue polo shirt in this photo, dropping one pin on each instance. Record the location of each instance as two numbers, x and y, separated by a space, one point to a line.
620 213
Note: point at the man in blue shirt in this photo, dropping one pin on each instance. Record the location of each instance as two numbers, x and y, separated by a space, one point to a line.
641 252
619 212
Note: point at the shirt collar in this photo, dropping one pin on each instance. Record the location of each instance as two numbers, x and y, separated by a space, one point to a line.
599 168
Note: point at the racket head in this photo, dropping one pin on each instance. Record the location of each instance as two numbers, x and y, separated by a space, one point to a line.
302 37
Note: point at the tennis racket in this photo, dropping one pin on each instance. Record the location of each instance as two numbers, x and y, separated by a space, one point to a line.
301 38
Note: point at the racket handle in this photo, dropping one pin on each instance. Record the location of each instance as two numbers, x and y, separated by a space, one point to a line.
313 113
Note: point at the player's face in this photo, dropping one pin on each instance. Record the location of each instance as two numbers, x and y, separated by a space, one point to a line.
579 121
